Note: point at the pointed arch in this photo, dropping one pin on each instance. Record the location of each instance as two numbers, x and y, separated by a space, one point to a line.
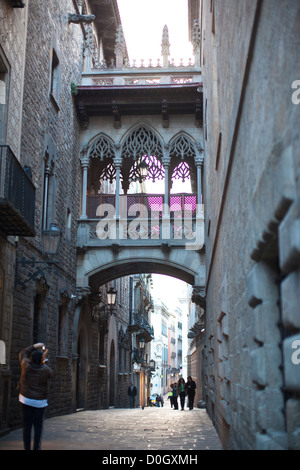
141 143
182 152
101 146
101 154
148 128
182 146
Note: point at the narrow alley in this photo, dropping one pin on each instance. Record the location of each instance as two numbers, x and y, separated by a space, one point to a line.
114 429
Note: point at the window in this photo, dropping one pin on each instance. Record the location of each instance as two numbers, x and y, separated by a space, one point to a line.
69 225
55 79
4 79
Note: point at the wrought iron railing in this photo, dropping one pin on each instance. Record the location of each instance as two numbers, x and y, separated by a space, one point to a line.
138 323
17 196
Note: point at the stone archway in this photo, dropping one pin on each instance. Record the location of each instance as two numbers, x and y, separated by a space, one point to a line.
185 265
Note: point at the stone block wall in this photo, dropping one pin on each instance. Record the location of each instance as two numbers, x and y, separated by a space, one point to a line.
50 129
251 201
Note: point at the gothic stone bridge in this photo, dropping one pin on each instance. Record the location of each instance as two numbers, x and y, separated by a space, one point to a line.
146 237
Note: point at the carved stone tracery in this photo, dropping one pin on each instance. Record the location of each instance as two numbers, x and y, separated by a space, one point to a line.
141 145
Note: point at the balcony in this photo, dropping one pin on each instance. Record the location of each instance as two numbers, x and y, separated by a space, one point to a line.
17 196
139 325
102 228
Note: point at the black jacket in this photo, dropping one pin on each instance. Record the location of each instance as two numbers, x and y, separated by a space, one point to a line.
34 377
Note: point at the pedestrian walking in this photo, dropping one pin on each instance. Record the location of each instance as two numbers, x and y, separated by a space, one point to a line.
191 389
162 401
175 396
170 396
181 391
33 391
132 392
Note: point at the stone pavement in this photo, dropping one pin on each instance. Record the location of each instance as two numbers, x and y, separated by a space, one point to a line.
148 429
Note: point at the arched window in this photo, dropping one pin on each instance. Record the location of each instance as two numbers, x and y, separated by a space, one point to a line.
141 145
102 166
182 162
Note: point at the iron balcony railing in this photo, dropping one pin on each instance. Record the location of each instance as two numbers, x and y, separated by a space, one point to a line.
17 196
140 325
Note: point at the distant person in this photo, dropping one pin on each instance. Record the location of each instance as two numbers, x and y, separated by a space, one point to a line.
175 396
181 392
191 389
33 391
170 396
132 392
162 401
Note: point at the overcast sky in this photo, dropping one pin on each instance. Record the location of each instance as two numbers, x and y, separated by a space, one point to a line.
143 22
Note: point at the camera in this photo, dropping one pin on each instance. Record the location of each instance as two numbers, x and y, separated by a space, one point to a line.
44 348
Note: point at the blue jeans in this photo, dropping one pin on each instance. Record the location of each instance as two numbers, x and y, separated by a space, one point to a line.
32 417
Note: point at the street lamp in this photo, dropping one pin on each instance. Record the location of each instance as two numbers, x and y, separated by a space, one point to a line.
111 297
50 240
143 169
102 312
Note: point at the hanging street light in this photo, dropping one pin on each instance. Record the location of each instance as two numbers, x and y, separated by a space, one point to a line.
143 169
111 297
50 241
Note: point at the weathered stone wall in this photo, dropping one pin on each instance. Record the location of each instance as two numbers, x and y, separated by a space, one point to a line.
13 24
13 27
251 177
49 127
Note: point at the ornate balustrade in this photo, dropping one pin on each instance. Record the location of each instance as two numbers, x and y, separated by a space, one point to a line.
143 219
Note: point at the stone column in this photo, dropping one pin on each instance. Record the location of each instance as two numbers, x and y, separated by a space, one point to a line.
199 164
166 165
118 165
85 161
165 229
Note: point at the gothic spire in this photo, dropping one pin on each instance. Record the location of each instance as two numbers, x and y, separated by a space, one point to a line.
165 46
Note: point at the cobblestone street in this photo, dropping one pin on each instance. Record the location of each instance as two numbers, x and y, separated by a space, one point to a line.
151 429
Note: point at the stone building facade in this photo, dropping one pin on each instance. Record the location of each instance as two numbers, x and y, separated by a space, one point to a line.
59 79
42 305
13 27
44 47
251 126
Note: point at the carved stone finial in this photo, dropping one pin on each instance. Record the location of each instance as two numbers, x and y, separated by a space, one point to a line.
165 46
73 18
120 47
196 41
